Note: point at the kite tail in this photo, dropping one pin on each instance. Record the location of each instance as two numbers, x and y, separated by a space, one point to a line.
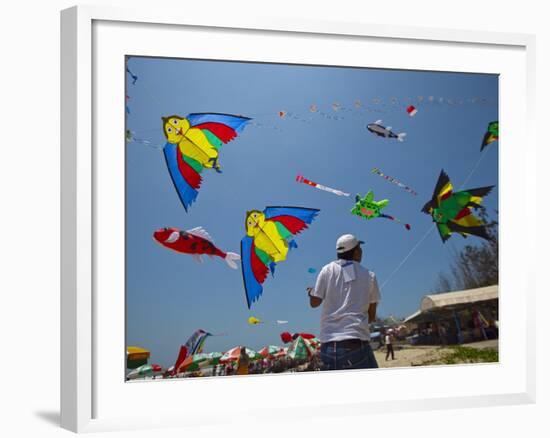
231 258
387 216
401 136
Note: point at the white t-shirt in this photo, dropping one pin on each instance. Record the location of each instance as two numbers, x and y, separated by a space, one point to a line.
347 289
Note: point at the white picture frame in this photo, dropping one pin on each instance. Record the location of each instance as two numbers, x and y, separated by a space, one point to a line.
92 399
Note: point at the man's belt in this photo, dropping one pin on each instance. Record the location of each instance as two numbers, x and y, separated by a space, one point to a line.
350 343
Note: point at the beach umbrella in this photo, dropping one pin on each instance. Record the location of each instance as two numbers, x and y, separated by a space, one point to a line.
136 357
281 353
287 337
314 343
215 358
144 371
233 355
253 355
299 349
194 362
270 350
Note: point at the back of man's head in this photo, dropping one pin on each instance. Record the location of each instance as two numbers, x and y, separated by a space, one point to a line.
348 247
348 255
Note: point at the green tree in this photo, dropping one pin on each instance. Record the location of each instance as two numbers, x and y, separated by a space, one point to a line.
475 265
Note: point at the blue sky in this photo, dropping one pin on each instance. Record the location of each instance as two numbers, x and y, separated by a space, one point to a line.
169 295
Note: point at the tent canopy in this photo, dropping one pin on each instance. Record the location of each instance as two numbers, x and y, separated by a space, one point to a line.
137 352
437 304
431 302
136 357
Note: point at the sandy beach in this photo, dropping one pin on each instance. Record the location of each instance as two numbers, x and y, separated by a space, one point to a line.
407 356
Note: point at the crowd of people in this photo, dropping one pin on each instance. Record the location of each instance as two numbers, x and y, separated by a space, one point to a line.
266 365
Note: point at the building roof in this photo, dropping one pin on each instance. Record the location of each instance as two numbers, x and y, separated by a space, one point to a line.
449 300
411 317
430 302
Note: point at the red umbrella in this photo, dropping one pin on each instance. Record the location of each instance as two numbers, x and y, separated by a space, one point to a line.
281 353
233 355
286 337
270 350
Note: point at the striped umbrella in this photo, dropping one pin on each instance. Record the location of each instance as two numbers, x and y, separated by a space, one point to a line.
281 353
145 371
299 349
233 355
270 350
314 343
194 362
215 358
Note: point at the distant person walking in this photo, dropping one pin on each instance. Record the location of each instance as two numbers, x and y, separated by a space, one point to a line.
349 294
388 340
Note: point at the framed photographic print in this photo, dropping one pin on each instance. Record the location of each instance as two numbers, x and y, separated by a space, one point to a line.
272 207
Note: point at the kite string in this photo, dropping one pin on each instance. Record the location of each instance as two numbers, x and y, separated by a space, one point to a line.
394 104
473 169
219 334
428 232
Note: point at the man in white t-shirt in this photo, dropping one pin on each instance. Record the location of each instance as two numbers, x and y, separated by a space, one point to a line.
349 294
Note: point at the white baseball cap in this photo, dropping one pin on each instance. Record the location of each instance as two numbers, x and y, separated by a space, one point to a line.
347 242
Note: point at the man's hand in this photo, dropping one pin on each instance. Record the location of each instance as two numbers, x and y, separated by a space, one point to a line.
313 301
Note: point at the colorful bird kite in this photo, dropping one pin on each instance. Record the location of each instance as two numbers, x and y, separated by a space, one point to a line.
269 237
377 171
193 144
384 131
367 208
195 242
452 212
491 135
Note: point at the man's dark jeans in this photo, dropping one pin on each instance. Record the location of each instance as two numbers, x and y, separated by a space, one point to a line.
343 355
389 350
